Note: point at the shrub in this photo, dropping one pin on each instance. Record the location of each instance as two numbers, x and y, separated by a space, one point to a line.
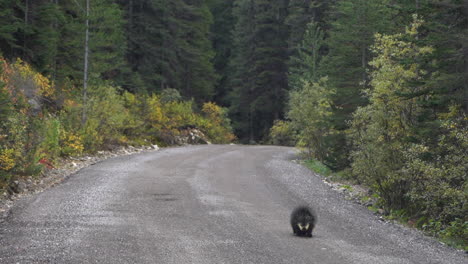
106 118
282 133
310 109
7 159
216 124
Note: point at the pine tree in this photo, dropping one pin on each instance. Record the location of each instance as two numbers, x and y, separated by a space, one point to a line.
222 39
447 29
152 49
169 46
300 14
107 40
350 37
241 80
304 65
384 129
196 53
46 39
9 25
260 62
70 54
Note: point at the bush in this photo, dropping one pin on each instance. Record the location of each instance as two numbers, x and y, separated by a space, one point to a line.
439 184
107 118
282 133
33 133
310 109
216 124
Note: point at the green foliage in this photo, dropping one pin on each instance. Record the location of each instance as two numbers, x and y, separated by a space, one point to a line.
169 46
170 95
107 39
417 175
439 186
5 104
318 167
9 25
353 25
50 143
259 81
35 134
222 42
309 111
282 133
382 130
304 65
215 123
107 118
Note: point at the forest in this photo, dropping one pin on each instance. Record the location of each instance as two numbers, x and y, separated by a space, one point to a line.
375 90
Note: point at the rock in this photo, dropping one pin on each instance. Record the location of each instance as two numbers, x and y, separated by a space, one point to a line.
17 187
342 190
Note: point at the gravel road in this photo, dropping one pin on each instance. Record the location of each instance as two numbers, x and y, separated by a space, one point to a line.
203 204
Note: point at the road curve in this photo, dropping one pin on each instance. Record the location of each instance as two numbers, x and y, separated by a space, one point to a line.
203 204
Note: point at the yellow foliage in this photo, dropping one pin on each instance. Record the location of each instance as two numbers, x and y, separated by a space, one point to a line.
155 115
7 159
19 77
72 143
213 111
40 81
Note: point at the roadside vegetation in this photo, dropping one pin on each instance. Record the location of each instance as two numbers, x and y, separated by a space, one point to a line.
411 155
41 122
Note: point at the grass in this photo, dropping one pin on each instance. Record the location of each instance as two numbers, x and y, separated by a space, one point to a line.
318 167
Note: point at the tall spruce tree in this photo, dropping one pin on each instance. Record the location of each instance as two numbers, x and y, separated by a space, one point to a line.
304 65
261 62
196 53
107 40
9 26
46 37
151 53
222 39
241 80
352 33
447 29
301 13
169 46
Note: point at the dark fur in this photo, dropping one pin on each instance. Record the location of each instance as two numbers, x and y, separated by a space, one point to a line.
303 215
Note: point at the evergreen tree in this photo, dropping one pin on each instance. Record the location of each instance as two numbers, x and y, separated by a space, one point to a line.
46 37
304 65
196 53
447 30
70 54
260 81
222 39
384 129
241 79
300 14
350 37
169 46
107 40
9 25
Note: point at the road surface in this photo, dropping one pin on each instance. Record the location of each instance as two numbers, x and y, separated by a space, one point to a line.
203 204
